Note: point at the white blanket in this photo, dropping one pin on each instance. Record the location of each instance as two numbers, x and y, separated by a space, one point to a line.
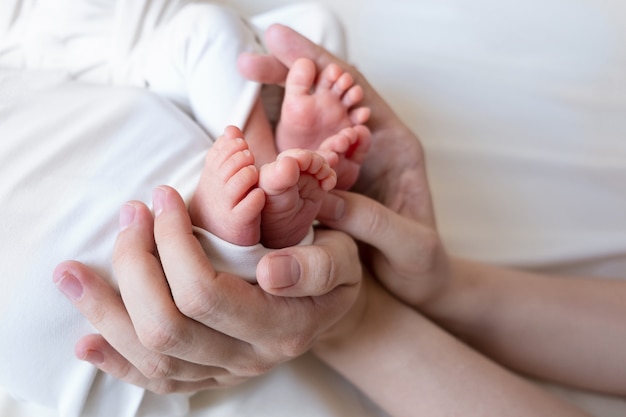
65 177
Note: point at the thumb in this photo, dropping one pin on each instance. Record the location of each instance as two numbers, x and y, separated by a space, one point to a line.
314 270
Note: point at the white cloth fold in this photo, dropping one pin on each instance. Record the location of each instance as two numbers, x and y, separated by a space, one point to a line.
64 179
184 50
239 260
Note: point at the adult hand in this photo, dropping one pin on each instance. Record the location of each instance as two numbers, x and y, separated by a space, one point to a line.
407 254
182 326
404 254
394 172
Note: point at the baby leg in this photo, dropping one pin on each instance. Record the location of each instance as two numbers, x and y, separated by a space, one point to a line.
317 106
345 153
294 185
227 202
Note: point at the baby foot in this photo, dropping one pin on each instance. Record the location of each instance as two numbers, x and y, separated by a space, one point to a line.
227 202
294 185
316 107
346 152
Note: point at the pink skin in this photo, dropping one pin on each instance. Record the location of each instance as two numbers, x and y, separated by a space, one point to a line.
317 107
275 207
227 201
295 185
346 152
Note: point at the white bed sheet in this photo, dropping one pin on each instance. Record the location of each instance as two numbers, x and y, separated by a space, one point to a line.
520 105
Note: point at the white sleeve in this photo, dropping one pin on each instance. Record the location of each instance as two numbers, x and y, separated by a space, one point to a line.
238 260
184 50
192 60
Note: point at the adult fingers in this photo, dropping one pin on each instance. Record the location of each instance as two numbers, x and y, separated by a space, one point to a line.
95 349
266 69
275 328
371 222
159 322
244 319
287 46
200 292
104 308
316 270
408 248
329 270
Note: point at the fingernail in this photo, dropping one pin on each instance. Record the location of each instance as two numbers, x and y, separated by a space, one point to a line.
158 201
93 356
127 215
284 271
69 285
340 207
333 207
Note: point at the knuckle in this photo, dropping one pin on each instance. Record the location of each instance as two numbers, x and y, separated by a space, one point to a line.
123 258
375 222
97 314
157 367
326 267
339 272
199 303
296 347
322 269
161 336
263 359
296 344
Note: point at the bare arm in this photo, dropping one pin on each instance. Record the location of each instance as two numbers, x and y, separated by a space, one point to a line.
410 367
565 329
568 329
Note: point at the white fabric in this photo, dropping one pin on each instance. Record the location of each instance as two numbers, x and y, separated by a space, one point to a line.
182 49
64 179
240 260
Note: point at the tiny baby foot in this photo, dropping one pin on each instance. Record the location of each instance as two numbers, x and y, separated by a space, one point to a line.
317 106
346 152
294 185
227 202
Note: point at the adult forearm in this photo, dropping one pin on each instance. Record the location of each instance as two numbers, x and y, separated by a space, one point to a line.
566 329
410 367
